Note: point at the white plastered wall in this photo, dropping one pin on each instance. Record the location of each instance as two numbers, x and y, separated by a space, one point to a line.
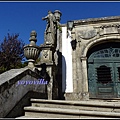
67 81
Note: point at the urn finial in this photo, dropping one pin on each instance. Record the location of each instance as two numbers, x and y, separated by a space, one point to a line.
33 39
32 51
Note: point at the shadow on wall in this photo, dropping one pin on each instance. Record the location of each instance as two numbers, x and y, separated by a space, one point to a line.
18 110
43 73
61 76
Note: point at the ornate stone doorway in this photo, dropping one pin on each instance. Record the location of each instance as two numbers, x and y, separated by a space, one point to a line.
104 70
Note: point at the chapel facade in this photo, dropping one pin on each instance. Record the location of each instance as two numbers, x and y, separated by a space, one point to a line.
91 58
80 57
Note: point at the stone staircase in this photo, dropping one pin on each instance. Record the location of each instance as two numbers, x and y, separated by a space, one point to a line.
41 108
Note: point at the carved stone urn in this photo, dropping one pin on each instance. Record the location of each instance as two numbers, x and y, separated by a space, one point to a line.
32 51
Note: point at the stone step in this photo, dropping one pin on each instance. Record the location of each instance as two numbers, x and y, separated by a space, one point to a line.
84 117
44 112
23 117
82 105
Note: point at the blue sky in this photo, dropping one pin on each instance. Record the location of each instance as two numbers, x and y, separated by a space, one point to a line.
23 17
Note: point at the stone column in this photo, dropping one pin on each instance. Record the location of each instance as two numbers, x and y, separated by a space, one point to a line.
85 92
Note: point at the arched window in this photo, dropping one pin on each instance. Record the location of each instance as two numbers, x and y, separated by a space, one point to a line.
106 53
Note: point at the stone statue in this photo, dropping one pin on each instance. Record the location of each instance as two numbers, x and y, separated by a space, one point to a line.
50 28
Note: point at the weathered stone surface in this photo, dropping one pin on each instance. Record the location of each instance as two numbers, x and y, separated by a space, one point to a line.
32 51
72 109
11 91
96 20
50 28
87 32
25 101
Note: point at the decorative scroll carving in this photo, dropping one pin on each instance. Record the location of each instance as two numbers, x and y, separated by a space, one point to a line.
89 32
86 32
109 29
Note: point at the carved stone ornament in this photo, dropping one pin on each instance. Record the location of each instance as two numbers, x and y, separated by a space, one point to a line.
86 32
109 29
45 53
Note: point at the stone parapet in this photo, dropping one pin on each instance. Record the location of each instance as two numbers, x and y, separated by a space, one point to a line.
11 92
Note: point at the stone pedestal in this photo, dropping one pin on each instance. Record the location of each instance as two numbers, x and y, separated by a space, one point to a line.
47 58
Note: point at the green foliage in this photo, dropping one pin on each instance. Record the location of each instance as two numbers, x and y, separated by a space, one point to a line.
58 27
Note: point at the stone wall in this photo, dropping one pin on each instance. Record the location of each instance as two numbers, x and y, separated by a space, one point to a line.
11 93
18 110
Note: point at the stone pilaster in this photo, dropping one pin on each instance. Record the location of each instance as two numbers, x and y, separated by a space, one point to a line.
85 93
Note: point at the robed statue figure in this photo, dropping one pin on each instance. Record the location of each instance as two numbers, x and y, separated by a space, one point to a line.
50 28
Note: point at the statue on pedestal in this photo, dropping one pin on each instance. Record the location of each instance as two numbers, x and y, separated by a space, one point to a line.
50 28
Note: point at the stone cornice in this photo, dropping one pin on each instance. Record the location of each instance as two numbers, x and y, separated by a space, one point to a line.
96 20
